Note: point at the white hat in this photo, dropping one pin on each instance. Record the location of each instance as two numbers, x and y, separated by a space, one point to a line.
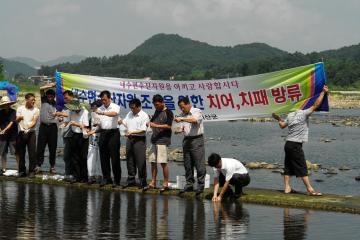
5 101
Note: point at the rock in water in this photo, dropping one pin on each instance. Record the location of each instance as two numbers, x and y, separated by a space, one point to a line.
331 171
344 168
357 178
253 165
312 166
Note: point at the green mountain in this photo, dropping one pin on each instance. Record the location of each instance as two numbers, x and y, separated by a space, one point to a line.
12 68
172 48
170 55
37 64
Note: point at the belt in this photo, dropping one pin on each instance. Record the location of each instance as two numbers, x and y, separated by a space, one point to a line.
47 124
136 137
109 130
298 143
27 132
193 137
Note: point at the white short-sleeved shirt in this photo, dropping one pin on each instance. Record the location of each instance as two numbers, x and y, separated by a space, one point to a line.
136 122
193 129
28 114
298 126
230 166
80 117
109 122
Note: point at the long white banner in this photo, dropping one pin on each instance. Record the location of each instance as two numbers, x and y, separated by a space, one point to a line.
220 99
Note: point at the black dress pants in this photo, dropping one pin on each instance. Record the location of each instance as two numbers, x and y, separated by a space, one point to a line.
26 140
109 148
79 149
48 134
136 159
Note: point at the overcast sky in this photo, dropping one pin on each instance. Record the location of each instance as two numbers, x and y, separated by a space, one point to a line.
47 29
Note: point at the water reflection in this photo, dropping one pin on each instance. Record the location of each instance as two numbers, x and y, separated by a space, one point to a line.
231 220
295 224
159 227
194 220
45 212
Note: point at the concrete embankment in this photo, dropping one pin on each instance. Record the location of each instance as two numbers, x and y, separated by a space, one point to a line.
327 202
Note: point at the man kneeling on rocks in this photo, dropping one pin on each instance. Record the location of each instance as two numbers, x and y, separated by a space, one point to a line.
228 171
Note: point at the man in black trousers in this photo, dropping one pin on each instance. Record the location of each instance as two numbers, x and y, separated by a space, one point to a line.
192 127
48 130
135 122
109 139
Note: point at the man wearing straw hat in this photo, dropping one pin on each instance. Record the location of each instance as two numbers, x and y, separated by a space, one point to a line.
79 122
8 130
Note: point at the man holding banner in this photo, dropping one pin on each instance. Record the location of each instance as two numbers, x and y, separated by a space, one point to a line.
298 125
193 145
109 139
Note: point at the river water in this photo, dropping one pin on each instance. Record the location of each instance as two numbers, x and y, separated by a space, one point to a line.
264 142
35 211
30 211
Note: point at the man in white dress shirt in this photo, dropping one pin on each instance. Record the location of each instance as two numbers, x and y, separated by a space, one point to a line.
228 171
136 123
191 122
109 139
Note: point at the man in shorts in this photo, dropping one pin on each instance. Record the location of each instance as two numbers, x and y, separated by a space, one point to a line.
161 138
298 126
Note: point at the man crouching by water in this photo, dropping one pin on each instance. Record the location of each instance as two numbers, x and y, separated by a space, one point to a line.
298 125
228 171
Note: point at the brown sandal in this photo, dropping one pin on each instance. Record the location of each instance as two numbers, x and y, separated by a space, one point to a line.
315 194
164 188
149 187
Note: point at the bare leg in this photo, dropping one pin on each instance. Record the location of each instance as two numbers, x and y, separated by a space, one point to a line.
308 186
153 174
287 187
165 173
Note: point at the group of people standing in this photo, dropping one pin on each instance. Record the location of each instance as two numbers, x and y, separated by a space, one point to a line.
92 139
92 142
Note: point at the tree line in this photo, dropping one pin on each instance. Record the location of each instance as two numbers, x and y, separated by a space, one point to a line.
340 72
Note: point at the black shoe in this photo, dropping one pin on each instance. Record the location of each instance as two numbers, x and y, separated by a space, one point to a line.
127 185
189 189
31 175
105 182
73 180
22 174
84 180
199 191
116 184
91 180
